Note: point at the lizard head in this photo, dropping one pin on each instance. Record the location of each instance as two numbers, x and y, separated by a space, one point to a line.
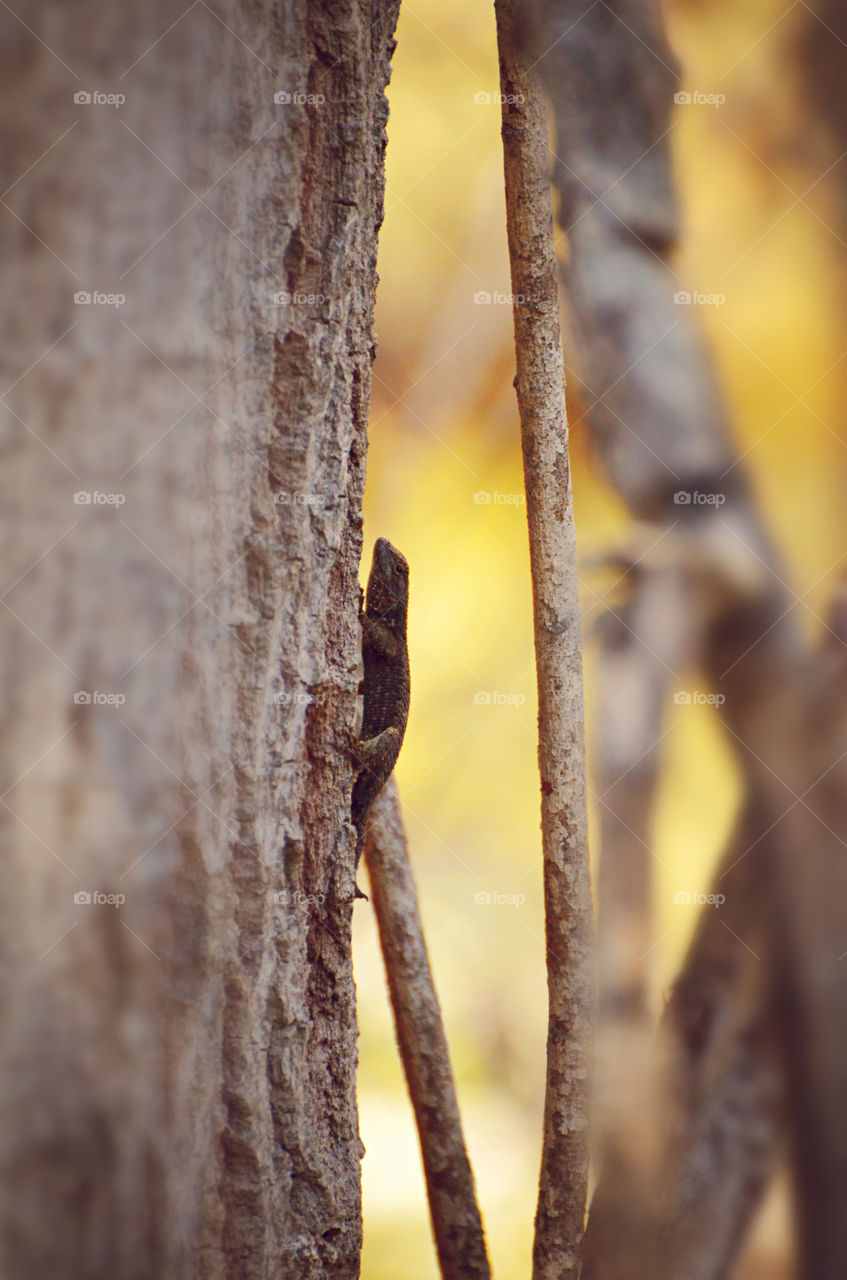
388 584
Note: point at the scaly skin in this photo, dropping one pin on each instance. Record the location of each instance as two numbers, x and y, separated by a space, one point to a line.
385 655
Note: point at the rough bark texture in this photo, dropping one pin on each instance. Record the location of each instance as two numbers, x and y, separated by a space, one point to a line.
456 1220
177 1072
540 385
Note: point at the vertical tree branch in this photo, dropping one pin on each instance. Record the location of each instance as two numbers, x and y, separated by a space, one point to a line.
552 540
456 1220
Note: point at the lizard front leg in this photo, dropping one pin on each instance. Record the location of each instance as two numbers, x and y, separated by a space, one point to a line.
378 637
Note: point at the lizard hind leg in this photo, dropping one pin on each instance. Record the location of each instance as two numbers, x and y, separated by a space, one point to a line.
373 754
377 757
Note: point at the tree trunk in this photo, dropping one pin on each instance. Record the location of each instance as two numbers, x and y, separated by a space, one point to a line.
178 1060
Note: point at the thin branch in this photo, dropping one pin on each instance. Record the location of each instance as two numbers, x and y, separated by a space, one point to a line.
544 436
456 1220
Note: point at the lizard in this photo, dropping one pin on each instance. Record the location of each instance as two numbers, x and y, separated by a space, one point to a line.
386 687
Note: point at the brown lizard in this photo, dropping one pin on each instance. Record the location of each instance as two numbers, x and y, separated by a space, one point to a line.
385 656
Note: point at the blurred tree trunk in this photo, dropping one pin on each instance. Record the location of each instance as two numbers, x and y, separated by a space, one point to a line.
738 1035
177 1069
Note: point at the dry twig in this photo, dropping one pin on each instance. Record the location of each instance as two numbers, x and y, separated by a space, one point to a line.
456 1220
552 542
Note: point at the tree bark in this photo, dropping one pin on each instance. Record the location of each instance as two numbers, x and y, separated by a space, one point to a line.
540 384
177 1069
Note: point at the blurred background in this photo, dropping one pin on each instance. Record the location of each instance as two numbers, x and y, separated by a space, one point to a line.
445 485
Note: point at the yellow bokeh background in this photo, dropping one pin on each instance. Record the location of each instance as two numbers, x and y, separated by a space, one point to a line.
444 431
